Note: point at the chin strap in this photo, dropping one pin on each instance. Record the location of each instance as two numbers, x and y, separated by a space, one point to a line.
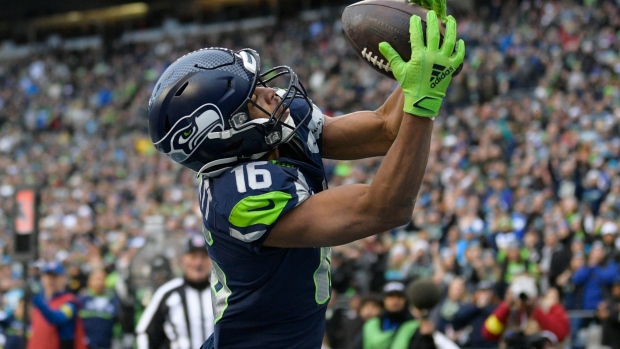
288 132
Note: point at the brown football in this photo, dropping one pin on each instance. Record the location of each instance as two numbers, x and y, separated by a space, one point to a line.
369 22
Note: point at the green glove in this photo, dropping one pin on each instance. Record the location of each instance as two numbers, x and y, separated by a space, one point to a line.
426 77
439 6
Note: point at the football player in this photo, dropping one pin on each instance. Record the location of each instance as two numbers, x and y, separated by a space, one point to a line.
268 215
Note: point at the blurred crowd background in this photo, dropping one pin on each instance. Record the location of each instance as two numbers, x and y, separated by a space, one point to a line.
523 175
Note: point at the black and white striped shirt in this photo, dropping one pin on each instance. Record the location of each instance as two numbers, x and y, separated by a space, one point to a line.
179 316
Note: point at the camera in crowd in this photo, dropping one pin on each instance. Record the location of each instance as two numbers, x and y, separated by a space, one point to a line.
524 288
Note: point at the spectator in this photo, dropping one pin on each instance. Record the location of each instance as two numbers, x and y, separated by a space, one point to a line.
521 314
99 311
473 270
337 318
531 243
379 331
609 234
420 332
161 271
77 279
595 277
451 305
489 270
594 188
608 312
555 260
514 262
421 261
472 315
571 293
370 306
55 321
180 313
12 325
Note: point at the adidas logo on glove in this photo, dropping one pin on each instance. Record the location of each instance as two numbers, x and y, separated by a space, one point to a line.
439 73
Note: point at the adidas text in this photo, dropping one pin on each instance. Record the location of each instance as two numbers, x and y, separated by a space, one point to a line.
442 76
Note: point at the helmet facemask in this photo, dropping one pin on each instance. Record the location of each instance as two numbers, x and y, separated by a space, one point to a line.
277 126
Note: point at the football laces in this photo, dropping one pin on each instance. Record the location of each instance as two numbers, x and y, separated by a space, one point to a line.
375 60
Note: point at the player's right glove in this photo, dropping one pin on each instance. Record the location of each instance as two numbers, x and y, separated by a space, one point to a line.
439 6
426 77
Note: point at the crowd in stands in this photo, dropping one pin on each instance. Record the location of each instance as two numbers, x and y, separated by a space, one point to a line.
523 175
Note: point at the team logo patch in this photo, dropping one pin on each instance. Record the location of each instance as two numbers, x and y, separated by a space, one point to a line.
190 131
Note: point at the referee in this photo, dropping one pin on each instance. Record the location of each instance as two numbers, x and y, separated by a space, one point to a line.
180 314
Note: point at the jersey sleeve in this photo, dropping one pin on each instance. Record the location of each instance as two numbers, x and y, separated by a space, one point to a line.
64 314
247 201
312 129
315 130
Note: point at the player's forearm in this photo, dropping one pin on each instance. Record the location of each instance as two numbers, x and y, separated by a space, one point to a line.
398 180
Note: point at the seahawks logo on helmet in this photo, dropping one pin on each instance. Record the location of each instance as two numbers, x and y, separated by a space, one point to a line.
183 138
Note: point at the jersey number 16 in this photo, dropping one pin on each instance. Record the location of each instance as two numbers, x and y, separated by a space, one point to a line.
257 178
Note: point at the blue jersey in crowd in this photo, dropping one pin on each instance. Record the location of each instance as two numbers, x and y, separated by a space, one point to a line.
11 331
267 297
99 312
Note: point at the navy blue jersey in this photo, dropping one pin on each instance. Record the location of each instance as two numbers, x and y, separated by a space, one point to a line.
266 297
99 313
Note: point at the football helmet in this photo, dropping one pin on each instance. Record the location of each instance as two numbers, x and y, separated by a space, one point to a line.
198 112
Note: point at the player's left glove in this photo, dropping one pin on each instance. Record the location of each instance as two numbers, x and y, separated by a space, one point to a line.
439 6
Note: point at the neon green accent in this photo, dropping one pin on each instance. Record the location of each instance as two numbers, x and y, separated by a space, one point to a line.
404 334
374 337
427 75
86 314
322 277
221 297
187 133
282 164
10 331
249 211
207 235
429 104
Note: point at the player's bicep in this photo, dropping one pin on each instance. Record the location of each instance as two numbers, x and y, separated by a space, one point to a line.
329 218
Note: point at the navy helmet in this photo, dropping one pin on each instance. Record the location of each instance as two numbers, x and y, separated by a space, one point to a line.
198 111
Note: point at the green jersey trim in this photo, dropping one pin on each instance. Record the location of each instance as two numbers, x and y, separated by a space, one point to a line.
259 209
